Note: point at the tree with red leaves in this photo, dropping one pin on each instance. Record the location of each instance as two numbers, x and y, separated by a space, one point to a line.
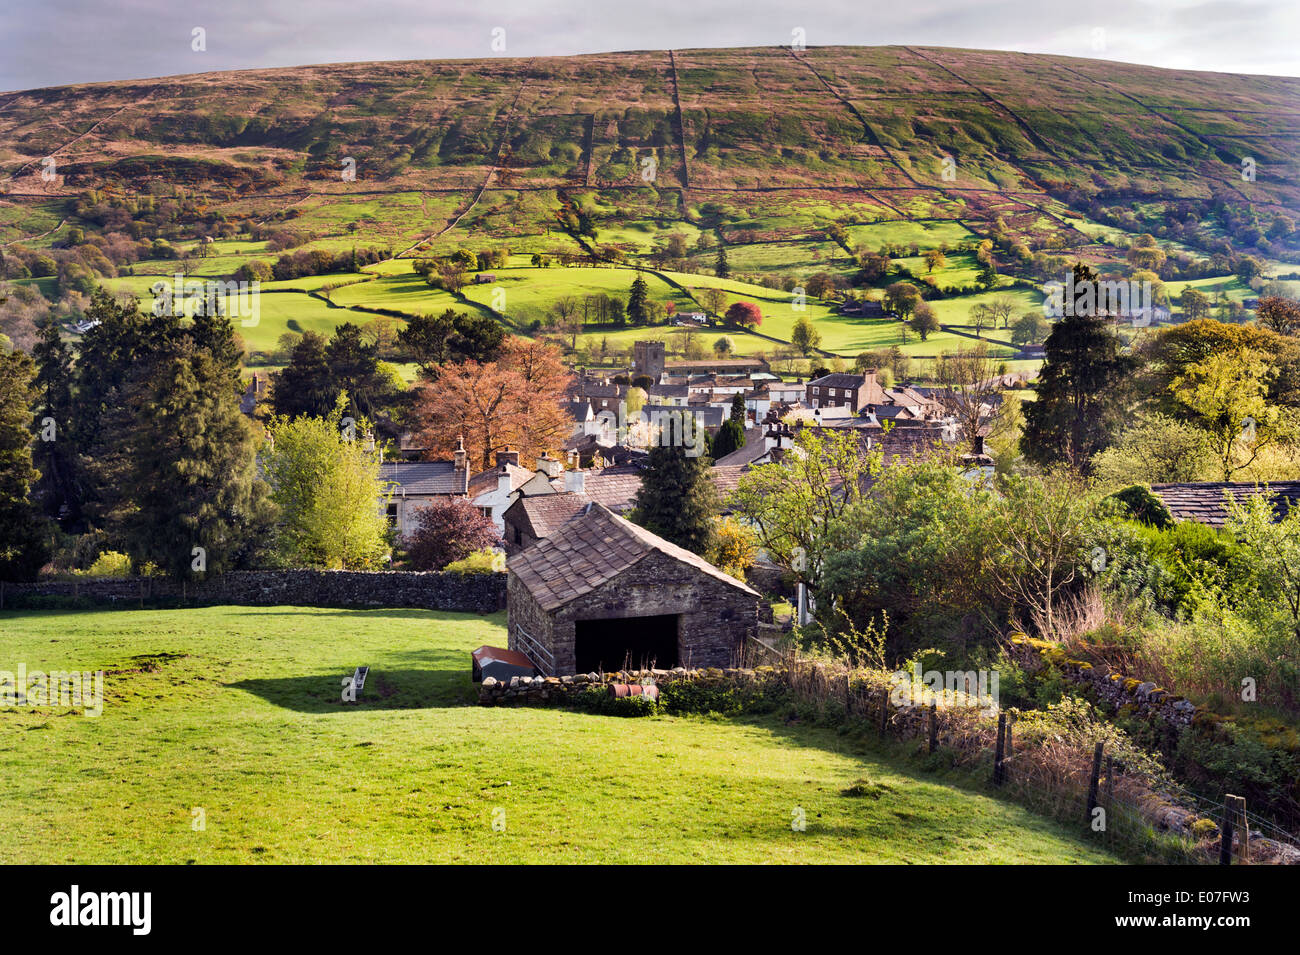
447 531
516 401
745 314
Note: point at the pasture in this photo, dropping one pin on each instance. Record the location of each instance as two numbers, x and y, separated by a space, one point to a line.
231 716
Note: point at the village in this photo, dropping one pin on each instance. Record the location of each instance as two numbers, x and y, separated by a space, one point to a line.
632 437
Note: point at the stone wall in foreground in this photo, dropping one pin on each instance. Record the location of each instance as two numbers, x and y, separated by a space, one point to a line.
552 691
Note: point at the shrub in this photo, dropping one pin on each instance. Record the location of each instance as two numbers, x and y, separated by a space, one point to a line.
1141 503
111 563
485 561
596 699
447 532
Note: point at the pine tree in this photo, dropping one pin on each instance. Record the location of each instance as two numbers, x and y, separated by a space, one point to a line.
677 499
730 437
738 413
720 267
198 505
116 358
55 454
305 386
637 298
1081 391
23 541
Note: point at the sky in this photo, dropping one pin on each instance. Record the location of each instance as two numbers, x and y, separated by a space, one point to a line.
57 42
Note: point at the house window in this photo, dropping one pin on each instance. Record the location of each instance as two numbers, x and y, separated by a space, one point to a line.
486 511
392 515
519 537
832 392
816 391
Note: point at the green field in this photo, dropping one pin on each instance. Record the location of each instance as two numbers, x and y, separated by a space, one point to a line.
235 711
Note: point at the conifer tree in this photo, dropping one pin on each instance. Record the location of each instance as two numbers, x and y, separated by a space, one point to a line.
677 500
54 453
23 541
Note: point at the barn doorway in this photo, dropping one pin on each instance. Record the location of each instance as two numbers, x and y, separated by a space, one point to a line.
638 643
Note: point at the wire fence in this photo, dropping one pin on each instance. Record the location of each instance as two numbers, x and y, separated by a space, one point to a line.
1082 781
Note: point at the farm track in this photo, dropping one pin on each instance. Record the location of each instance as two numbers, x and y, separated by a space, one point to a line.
33 238
487 180
70 142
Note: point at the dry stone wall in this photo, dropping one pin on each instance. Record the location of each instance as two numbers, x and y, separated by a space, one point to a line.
467 593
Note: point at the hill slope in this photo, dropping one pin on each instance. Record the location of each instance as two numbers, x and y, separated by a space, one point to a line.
764 140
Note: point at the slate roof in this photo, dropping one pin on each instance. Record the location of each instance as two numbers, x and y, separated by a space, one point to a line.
579 411
667 391
1205 502
706 416
838 379
426 477
723 364
613 487
754 447
591 549
543 514
487 480
616 488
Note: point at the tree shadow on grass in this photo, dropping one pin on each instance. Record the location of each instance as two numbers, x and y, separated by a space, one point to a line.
385 689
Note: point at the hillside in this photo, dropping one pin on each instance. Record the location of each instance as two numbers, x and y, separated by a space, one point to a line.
792 161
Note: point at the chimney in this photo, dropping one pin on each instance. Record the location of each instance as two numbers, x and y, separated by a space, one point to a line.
575 482
507 457
549 466
459 456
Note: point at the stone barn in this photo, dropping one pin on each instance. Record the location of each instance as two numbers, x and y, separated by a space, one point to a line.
602 593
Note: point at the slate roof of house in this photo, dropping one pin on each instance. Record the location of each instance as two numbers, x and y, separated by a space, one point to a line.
487 480
754 448
590 549
616 487
838 379
579 410
706 415
543 514
667 391
1205 502
426 477
613 487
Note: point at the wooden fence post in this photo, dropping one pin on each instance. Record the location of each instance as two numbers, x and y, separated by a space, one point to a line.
1110 786
1225 830
1241 825
1092 782
934 726
998 772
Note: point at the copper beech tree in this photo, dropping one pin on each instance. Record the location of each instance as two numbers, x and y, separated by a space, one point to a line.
516 401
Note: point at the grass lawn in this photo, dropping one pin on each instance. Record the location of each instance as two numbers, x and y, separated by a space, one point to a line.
236 710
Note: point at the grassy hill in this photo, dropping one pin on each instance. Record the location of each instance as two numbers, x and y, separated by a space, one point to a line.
791 161
236 711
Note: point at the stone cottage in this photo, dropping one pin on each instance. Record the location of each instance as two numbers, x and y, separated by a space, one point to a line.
601 593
